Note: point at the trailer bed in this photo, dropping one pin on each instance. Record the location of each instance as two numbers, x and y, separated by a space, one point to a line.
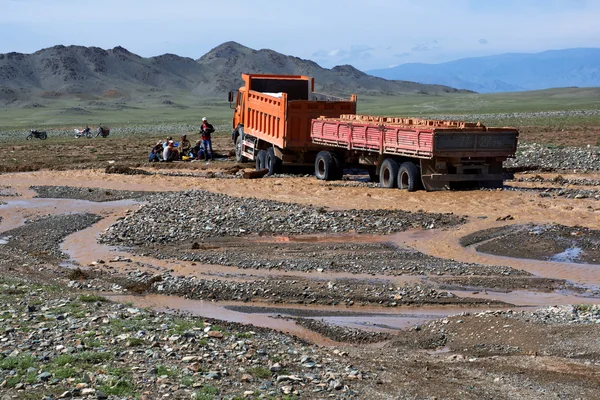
420 138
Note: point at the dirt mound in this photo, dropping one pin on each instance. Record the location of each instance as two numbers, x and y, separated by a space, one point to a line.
121 169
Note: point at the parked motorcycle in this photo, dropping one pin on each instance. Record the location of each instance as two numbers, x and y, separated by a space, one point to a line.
102 131
85 132
35 134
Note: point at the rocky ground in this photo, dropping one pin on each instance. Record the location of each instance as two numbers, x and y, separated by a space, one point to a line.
60 338
65 344
199 215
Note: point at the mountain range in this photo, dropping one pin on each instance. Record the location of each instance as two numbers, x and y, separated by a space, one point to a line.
507 72
67 71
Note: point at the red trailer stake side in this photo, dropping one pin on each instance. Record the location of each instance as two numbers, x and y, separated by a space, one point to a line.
408 152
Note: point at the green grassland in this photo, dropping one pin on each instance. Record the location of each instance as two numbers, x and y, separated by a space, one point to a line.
153 108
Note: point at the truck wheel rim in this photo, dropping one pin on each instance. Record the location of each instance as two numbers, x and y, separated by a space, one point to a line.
386 176
404 180
321 167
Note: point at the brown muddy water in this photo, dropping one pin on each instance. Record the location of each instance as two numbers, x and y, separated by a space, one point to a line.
82 248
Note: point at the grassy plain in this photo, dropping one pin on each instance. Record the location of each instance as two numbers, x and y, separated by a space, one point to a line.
570 115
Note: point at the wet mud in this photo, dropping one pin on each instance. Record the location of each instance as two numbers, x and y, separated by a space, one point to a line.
549 242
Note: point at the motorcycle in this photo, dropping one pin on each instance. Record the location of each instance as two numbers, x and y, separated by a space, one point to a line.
102 131
85 132
35 134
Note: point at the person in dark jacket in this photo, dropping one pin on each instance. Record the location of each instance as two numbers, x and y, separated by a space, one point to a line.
206 130
156 153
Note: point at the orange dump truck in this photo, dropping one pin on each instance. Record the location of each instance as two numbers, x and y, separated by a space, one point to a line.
273 116
279 120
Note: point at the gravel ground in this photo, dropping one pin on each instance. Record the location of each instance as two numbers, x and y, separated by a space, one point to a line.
364 258
38 240
275 290
532 156
57 343
198 215
89 194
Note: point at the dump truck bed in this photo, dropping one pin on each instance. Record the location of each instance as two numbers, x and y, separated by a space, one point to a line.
287 123
420 138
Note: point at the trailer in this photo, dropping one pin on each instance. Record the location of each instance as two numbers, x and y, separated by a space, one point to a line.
411 153
272 119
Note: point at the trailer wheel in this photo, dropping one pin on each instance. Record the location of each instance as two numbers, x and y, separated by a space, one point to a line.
238 150
261 159
388 174
409 177
326 167
272 162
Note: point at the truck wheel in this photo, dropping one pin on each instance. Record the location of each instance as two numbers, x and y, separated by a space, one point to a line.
388 174
409 177
238 150
272 162
261 159
325 166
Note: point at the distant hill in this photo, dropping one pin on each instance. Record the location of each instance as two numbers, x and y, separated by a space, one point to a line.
64 71
507 72
231 59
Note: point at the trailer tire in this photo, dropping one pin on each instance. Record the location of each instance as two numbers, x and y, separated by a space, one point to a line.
409 177
272 162
388 174
326 167
238 149
261 159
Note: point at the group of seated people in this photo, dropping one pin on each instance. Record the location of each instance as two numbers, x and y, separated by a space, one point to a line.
169 150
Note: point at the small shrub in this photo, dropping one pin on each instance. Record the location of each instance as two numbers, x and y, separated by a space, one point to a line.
260 372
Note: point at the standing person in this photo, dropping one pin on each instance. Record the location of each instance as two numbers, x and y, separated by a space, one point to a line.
206 130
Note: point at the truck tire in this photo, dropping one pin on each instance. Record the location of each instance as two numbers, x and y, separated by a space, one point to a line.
261 160
388 174
326 168
238 150
272 162
409 177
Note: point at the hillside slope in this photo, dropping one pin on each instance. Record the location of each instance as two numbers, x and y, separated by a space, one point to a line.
91 72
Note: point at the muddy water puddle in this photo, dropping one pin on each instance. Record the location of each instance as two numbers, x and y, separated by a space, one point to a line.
83 249
281 317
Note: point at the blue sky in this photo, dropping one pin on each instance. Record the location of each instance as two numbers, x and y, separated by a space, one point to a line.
367 34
